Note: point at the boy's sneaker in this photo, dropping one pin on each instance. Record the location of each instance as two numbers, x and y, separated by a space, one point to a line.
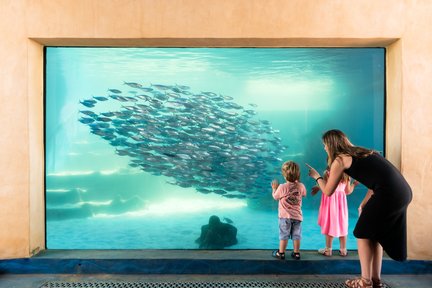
278 255
295 255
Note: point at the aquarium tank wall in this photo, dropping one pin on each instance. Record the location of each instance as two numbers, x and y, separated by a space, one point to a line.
145 147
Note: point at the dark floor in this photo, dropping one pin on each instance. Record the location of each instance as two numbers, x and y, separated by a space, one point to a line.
37 280
198 266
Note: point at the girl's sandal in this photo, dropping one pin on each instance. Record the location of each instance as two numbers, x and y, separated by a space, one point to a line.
325 251
359 283
343 252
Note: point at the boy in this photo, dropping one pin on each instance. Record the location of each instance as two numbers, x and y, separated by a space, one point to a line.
290 215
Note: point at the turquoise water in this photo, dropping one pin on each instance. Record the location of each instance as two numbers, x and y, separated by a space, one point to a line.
143 145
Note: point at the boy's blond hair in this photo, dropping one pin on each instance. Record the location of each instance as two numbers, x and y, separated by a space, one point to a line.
291 171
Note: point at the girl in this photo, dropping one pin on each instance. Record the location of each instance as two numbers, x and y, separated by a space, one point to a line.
333 214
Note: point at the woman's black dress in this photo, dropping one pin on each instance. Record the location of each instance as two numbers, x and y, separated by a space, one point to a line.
383 218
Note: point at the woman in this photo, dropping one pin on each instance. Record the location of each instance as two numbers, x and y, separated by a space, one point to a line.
382 222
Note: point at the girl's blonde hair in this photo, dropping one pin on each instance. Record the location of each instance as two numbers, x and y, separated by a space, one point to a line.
338 143
291 171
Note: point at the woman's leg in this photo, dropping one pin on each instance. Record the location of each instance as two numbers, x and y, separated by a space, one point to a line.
377 262
366 252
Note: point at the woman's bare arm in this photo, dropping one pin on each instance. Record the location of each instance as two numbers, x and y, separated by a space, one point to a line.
337 169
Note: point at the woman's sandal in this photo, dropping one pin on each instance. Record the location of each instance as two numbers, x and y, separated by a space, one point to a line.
325 251
295 255
278 255
343 252
377 283
359 283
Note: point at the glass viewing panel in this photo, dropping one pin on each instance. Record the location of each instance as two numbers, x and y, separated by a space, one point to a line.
144 145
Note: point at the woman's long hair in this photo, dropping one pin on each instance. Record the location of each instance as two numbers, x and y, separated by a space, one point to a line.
338 143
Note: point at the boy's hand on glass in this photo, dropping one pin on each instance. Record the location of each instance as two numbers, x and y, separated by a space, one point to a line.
275 184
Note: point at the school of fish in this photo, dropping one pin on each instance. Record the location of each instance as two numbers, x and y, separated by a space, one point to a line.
201 140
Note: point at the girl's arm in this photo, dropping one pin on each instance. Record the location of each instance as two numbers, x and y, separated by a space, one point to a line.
349 188
365 200
315 190
336 170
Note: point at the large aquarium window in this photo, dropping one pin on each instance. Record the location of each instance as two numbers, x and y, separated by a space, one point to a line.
146 148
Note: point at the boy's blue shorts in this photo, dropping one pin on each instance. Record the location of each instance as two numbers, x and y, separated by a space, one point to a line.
289 228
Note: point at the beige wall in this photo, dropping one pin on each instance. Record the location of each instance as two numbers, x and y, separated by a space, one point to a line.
403 26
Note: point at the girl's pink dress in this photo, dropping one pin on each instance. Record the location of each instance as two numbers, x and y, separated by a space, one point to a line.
333 213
